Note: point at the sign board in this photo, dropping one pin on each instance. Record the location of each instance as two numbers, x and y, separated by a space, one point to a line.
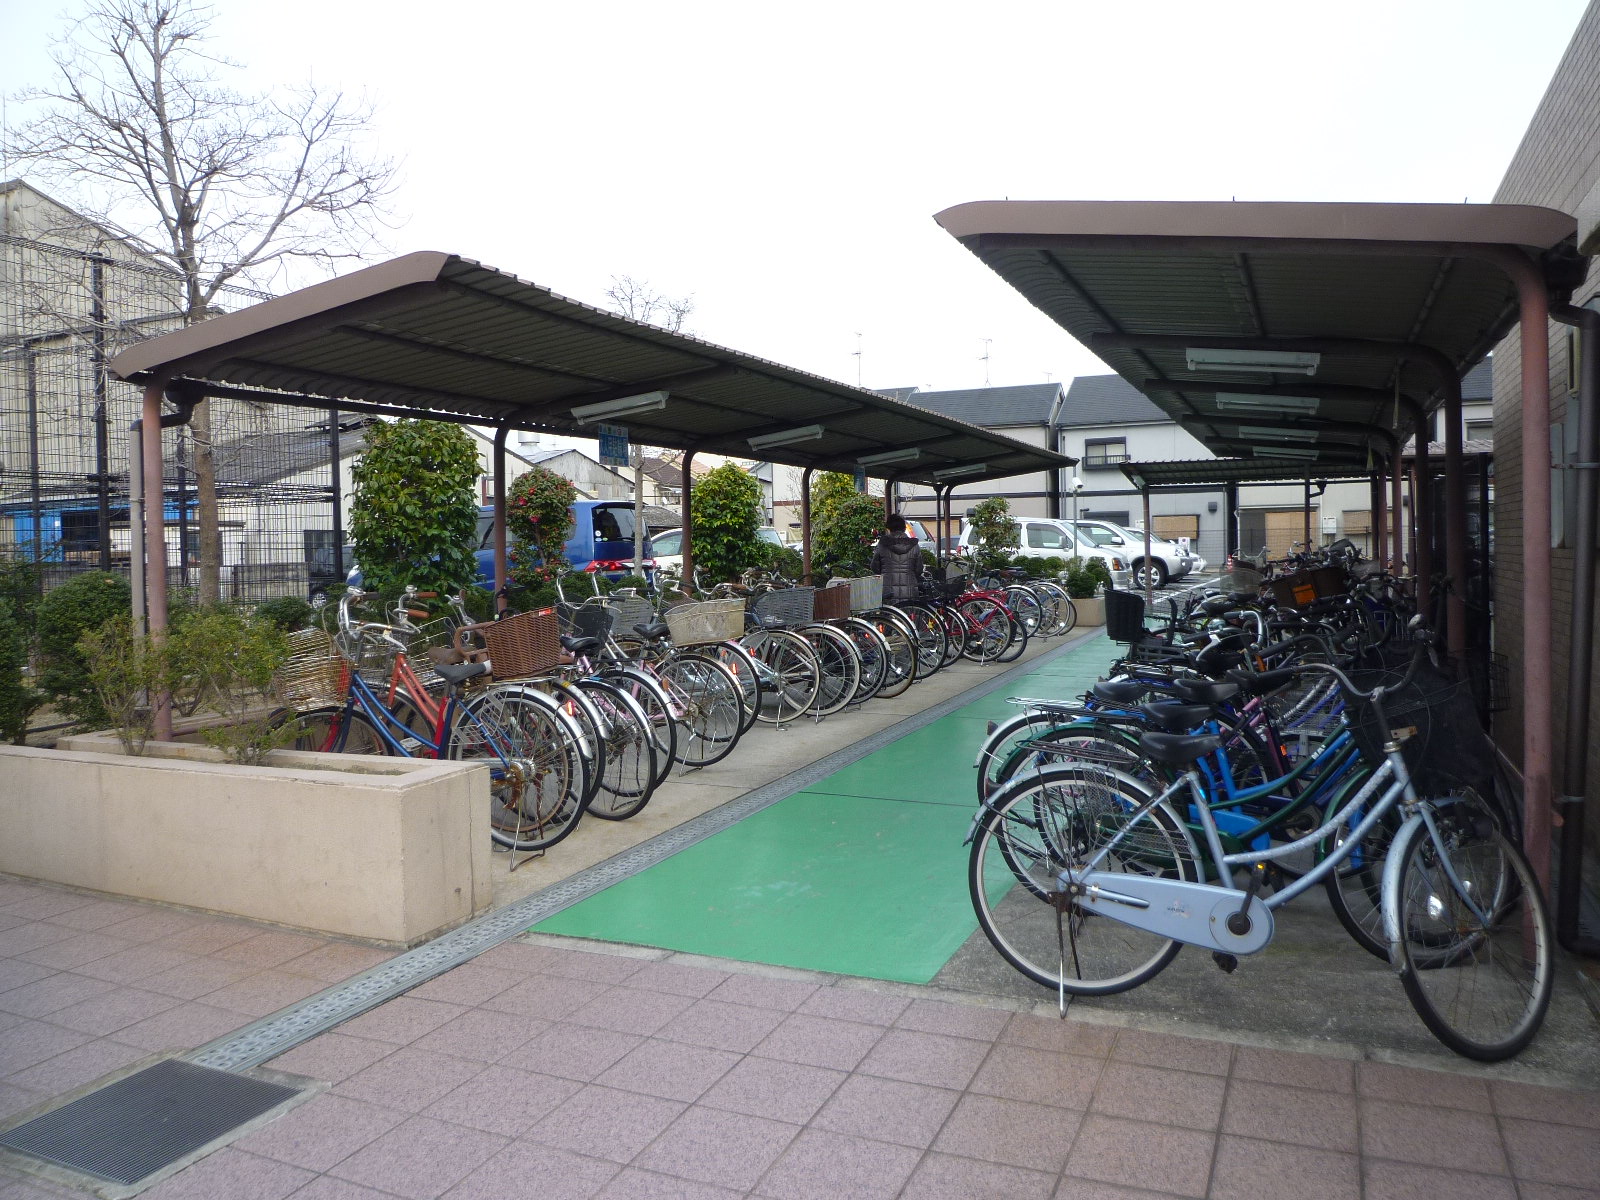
613 444
861 479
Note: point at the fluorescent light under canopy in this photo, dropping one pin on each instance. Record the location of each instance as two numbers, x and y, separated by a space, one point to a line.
956 472
909 454
1256 402
1273 362
786 437
621 407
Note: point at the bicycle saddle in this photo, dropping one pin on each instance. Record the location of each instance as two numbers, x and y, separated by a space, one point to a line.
1259 683
1177 749
654 631
579 645
1121 691
1196 692
454 673
1176 718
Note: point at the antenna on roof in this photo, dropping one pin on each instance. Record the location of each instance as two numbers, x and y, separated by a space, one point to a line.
1049 376
984 359
856 354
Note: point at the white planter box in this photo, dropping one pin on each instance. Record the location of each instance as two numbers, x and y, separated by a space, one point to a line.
393 850
1091 611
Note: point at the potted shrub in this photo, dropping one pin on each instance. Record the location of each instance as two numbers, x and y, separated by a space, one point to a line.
1083 579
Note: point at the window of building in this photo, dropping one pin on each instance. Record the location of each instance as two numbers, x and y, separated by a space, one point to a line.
1105 452
1119 517
1480 431
1173 526
1356 520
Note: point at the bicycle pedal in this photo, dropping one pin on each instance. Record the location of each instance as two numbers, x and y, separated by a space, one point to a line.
1226 962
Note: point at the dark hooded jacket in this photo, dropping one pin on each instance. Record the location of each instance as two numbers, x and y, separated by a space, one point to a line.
897 558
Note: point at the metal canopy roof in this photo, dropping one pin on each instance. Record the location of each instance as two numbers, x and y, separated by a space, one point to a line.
1222 471
1383 295
436 335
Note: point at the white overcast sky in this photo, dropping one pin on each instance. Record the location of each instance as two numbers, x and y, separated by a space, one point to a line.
782 162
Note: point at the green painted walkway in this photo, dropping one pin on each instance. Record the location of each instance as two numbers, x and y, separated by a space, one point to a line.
862 873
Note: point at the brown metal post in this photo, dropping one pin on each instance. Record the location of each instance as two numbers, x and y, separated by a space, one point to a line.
1149 575
1422 508
1397 511
1380 521
805 525
501 578
155 545
688 526
1306 545
1455 524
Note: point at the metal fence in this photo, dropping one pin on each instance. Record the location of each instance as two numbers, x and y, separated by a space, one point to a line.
64 435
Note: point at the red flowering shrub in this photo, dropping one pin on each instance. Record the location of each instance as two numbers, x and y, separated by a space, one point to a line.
539 522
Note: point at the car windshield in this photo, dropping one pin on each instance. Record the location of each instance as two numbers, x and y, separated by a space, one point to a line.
668 542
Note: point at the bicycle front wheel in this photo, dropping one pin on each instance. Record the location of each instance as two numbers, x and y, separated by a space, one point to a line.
1046 825
1470 934
840 668
989 629
707 705
538 776
628 774
790 675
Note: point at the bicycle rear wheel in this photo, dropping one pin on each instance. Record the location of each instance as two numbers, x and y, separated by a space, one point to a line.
790 675
337 731
1471 935
707 705
873 652
930 637
643 689
537 768
1046 825
988 628
737 659
628 775
900 671
839 665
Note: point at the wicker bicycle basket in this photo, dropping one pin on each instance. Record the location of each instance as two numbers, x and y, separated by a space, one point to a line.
1443 744
585 620
519 646
831 603
790 606
866 593
315 675
629 612
706 621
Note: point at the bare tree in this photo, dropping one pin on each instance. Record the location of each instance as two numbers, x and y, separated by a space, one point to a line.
219 185
638 301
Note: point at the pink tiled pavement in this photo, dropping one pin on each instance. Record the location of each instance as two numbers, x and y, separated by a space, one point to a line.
546 1071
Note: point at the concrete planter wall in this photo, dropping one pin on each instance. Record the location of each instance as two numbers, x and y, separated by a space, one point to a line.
1091 611
388 849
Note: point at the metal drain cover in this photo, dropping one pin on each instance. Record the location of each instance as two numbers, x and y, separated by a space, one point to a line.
131 1129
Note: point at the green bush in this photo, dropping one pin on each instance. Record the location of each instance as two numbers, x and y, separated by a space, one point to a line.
20 587
288 613
121 670
539 521
725 509
414 516
18 699
1083 577
995 533
77 607
781 560
228 659
845 524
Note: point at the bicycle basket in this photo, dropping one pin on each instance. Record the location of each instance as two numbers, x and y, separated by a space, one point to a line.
790 606
1445 748
1294 591
831 603
866 593
1124 616
585 620
628 613
706 621
521 645
315 675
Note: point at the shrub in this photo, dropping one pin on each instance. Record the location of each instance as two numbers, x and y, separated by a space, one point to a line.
1084 577
20 587
18 699
414 516
538 521
287 613
725 507
228 659
77 607
122 669
844 526
995 533
784 561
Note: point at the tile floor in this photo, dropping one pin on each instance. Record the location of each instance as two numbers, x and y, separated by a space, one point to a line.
544 1071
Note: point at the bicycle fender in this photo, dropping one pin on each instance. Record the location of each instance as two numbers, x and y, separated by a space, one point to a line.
1193 913
1389 894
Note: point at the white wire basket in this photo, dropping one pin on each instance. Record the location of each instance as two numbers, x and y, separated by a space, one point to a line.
631 611
866 593
788 606
706 621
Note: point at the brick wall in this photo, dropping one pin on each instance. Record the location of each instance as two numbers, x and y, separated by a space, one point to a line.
1556 166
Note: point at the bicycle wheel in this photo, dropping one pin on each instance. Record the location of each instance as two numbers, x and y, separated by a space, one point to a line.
1355 886
642 688
590 724
900 671
1025 608
790 674
1017 644
1044 826
1063 615
839 666
628 777
988 629
737 659
930 637
1471 936
706 704
873 652
337 731
536 764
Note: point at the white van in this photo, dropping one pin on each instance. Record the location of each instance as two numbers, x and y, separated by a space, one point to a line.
1045 538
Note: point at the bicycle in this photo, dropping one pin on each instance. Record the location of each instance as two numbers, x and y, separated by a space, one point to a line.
1087 881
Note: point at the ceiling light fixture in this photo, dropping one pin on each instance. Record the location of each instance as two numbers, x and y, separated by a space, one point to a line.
786 437
1273 431
1294 452
1276 362
644 402
1255 402
909 454
954 472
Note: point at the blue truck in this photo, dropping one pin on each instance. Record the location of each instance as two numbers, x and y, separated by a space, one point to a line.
602 533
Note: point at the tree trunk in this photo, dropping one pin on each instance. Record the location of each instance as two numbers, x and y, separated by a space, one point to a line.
205 486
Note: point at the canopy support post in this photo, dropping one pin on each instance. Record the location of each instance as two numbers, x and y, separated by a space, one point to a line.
805 525
501 578
155 546
688 526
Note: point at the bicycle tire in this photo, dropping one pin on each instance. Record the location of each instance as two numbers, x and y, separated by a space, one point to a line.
537 784
1063 612
988 629
839 667
1479 974
333 730
1043 825
642 688
873 651
707 704
737 659
903 662
930 635
1017 645
791 677
1025 607
628 777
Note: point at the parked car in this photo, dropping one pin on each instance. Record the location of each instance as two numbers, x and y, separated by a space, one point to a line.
1168 560
669 546
602 533
1046 538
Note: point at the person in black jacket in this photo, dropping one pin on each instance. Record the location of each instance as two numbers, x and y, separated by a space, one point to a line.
898 559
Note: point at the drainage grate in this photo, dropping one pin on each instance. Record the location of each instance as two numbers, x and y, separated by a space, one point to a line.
130 1129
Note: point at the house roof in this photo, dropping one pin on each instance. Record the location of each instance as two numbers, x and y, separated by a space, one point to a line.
262 458
1107 400
992 407
441 336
